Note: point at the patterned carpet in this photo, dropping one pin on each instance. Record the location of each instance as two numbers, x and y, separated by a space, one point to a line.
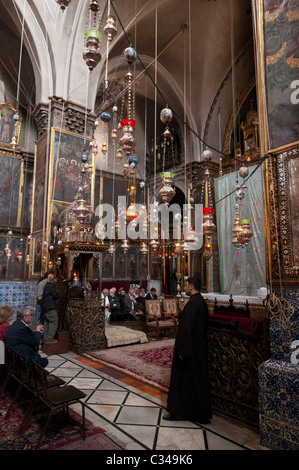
61 436
150 362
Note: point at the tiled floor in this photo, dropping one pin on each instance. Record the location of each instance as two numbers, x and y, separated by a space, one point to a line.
131 412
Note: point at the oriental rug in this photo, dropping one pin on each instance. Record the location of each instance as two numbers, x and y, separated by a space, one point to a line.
150 362
60 436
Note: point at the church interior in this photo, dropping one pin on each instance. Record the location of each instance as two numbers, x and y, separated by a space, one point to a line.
143 142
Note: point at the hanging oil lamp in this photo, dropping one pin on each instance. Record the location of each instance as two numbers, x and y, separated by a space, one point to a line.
245 234
111 249
207 253
125 246
119 155
208 225
144 249
110 28
167 192
127 142
93 38
63 3
104 148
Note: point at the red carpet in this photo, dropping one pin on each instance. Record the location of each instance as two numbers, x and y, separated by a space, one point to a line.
150 362
60 436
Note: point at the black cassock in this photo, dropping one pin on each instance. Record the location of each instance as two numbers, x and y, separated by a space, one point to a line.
189 391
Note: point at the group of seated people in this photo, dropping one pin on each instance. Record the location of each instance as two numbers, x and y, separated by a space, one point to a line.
122 305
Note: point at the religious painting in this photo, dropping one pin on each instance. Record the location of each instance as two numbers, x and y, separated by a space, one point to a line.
107 265
120 263
27 200
39 183
132 263
12 258
278 55
9 126
67 151
36 253
143 269
56 208
10 183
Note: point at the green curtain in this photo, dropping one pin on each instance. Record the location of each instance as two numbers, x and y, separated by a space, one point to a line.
242 270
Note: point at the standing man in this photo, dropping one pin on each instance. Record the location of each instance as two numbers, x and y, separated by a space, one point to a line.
50 296
39 297
189 391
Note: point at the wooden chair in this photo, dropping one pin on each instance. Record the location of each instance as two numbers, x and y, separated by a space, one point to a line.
23 374
54 398
170 307
156 320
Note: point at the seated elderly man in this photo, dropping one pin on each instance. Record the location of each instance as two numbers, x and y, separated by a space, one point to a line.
22 339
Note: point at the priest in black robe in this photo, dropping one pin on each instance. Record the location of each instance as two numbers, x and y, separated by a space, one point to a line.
189 391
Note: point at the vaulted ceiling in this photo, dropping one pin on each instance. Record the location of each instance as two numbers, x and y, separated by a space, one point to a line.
187 46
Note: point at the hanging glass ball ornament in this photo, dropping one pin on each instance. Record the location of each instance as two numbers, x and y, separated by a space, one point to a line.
110 29
240 194
84 158
105 116
166 115
243 172
114 109
133 161
130 55
16 117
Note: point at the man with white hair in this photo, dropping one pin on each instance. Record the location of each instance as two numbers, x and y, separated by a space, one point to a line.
106 303
22 339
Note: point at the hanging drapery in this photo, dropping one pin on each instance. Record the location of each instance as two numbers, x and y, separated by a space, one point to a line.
242 270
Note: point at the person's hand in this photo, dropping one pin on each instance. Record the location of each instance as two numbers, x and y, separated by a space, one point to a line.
40 328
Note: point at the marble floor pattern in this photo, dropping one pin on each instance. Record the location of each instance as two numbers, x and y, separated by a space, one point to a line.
131 411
